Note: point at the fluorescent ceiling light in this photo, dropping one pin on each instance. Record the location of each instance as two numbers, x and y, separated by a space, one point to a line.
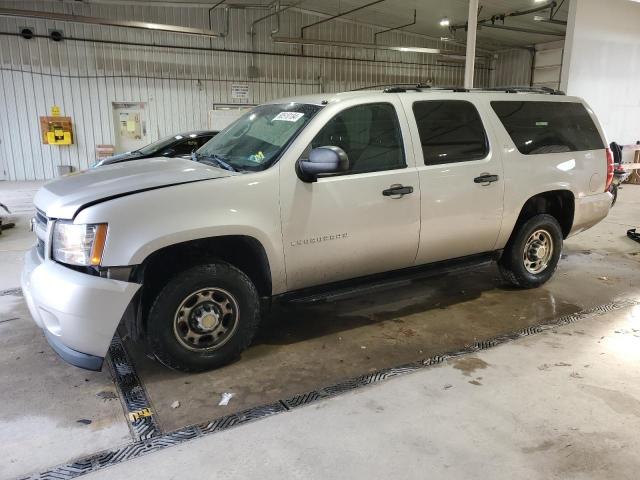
415 49
370 46
445 22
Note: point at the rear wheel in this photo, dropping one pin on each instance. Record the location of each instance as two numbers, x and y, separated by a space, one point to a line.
203 318
531 256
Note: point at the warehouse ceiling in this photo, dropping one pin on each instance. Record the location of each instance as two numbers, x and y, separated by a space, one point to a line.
429 13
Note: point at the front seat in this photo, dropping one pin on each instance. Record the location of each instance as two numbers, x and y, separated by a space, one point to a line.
383 151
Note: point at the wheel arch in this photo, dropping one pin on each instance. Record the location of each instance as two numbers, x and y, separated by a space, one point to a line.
244 252
558 203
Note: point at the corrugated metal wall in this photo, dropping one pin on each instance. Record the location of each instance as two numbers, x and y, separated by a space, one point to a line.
179 85
548 64
513 68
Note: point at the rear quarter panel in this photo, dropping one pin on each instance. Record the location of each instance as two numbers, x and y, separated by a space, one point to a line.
582 173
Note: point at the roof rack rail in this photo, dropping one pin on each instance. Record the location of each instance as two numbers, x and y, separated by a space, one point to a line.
409 86
418 87
543 89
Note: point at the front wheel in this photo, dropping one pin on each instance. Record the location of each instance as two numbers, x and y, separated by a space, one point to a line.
531 256
203 318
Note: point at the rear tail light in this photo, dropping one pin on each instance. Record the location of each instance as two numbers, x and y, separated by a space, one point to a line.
609 169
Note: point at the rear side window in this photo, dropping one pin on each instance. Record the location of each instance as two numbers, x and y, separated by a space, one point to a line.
450 131
548 127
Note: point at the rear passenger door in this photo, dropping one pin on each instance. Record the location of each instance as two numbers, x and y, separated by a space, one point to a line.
461 178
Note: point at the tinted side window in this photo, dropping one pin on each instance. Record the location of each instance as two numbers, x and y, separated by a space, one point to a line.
369 134
450 131
203 140
186 146
548 127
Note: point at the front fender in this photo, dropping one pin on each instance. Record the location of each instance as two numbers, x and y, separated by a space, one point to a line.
143 223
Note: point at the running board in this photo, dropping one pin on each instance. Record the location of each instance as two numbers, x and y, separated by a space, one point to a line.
384 281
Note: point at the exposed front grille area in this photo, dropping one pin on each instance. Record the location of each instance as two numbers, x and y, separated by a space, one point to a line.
41 217
40 224
40 248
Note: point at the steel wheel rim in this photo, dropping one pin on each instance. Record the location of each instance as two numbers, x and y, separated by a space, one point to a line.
206 319
538 251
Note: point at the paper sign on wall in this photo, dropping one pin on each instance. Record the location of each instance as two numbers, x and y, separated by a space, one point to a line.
240 91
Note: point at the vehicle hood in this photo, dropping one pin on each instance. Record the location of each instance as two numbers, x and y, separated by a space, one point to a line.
64 197
122 156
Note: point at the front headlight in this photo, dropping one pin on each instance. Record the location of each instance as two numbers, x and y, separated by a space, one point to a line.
78 244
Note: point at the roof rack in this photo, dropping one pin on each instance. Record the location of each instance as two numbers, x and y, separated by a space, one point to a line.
419 87
543 89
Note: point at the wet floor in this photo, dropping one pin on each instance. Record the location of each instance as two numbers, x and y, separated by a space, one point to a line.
50 412
305 347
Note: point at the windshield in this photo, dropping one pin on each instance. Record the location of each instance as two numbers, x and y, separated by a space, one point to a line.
256 140
159 145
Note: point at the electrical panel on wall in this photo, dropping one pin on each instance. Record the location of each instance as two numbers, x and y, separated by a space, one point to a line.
55 129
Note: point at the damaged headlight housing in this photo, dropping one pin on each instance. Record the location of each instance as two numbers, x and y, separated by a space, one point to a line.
78 244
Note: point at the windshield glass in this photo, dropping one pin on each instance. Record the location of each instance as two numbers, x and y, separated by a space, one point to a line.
256 140
159 145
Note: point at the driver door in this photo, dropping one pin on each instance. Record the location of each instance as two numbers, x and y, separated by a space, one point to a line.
344 226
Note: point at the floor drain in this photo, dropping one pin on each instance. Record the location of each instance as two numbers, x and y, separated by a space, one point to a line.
135 401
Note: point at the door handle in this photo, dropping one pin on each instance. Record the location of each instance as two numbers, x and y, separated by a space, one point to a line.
399 190
486 178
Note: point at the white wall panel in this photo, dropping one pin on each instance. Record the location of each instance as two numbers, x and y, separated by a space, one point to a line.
602 63
513 68
178 85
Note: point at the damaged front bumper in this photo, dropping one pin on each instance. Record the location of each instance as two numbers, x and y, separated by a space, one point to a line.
79 313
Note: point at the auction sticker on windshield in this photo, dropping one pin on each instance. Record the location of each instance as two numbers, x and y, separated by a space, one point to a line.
289 116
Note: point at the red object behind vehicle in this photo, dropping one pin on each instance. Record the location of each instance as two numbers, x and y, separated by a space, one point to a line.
609 169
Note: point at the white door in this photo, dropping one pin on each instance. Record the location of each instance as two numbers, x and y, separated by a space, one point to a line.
344 226
461 179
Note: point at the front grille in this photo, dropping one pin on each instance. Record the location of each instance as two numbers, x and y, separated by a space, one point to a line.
41 217
40 248
40 224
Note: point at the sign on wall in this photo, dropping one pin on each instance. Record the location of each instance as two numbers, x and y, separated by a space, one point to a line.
130 125
240 92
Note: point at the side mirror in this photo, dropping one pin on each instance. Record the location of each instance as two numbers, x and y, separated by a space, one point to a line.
170 152
322 161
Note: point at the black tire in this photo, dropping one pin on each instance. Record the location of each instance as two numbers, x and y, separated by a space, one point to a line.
164 334
512 263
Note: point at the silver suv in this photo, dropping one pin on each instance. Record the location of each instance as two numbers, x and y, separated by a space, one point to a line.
307 195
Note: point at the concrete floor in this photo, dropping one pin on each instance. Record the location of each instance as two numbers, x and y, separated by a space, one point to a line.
50 412
406 421
305 347
558 405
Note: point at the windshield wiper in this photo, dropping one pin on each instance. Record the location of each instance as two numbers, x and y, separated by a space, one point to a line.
217 159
